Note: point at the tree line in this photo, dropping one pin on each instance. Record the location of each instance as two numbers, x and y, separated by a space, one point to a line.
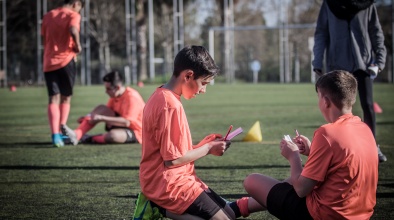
107 36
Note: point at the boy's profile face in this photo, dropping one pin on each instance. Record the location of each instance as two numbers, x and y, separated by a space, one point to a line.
110 90
194 87
77 6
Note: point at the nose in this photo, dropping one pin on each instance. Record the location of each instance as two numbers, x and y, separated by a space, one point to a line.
202 90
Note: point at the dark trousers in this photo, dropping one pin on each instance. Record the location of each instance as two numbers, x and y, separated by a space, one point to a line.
365 94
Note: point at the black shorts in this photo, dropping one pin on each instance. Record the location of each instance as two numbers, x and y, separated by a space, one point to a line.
207 204
61 80
130 133
284 203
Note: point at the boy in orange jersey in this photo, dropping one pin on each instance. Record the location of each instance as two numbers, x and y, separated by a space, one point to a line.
122 116
170 186
340 177
60 32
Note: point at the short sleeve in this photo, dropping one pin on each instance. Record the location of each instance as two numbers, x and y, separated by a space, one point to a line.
319 158
171 135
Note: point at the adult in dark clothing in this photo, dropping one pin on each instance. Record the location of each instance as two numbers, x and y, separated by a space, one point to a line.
348 32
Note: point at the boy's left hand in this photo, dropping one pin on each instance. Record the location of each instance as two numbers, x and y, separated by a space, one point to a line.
207 139
288 148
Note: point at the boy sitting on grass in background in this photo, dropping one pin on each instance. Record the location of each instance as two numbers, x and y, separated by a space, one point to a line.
167 172
339 179
122 116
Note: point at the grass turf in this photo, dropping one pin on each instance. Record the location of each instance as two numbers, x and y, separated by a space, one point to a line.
38 181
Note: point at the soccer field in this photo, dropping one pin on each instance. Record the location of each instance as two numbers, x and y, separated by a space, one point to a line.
38 181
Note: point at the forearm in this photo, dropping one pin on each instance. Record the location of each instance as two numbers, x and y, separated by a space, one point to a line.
115 121
295 170
75 36
190 156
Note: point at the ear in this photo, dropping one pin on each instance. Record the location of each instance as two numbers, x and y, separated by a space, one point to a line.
327 102
189 75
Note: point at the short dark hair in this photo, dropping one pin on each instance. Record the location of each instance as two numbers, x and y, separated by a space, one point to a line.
114 78
69 2
197 59
339 86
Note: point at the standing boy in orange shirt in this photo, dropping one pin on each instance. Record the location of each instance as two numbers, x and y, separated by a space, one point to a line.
340 177
122 116
60 32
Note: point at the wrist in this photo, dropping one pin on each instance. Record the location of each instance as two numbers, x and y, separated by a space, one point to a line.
295 157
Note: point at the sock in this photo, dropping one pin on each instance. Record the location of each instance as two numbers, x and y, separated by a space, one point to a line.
83 128
99 139
54 118
243 206
235 209
64 112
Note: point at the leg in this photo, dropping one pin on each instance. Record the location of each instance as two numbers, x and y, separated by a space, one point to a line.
116 136
365 91
86 125
66 82
53 110
103 110
54 113
64 109
258 186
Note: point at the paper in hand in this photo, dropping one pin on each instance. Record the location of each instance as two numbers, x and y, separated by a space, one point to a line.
234 133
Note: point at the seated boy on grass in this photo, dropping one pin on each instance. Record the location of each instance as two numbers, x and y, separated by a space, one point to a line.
122 116
167 173
340 176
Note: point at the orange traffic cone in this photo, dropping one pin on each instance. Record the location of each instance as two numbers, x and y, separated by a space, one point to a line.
254 134
377 108
13 88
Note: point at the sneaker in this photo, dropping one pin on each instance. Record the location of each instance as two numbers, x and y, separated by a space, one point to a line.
382 157
144 209
87 139
70 133
57 140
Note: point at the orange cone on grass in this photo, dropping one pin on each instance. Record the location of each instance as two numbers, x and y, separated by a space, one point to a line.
254 134
13 88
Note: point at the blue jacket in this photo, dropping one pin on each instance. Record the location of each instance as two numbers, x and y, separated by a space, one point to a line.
349 45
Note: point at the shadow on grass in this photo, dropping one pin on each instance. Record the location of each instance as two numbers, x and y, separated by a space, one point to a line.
25 167
27 145
384 195
385 123
245 167
29 167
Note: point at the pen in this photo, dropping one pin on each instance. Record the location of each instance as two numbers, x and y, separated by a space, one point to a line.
296 131
228 132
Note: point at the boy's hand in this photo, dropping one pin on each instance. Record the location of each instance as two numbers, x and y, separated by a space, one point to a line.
219 147
288 149
303 144
207 139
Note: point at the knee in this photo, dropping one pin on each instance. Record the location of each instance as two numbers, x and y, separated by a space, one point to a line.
103 110
249 180
114 137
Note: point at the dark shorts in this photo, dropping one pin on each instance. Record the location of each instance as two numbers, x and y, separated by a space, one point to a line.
130 133
284 203
61 80
206 205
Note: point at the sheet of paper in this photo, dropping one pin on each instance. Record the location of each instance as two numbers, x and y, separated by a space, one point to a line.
234 133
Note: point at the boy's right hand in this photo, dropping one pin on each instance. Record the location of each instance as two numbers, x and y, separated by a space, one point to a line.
218 148
303 144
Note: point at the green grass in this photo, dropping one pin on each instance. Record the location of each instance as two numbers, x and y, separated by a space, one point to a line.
38 181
